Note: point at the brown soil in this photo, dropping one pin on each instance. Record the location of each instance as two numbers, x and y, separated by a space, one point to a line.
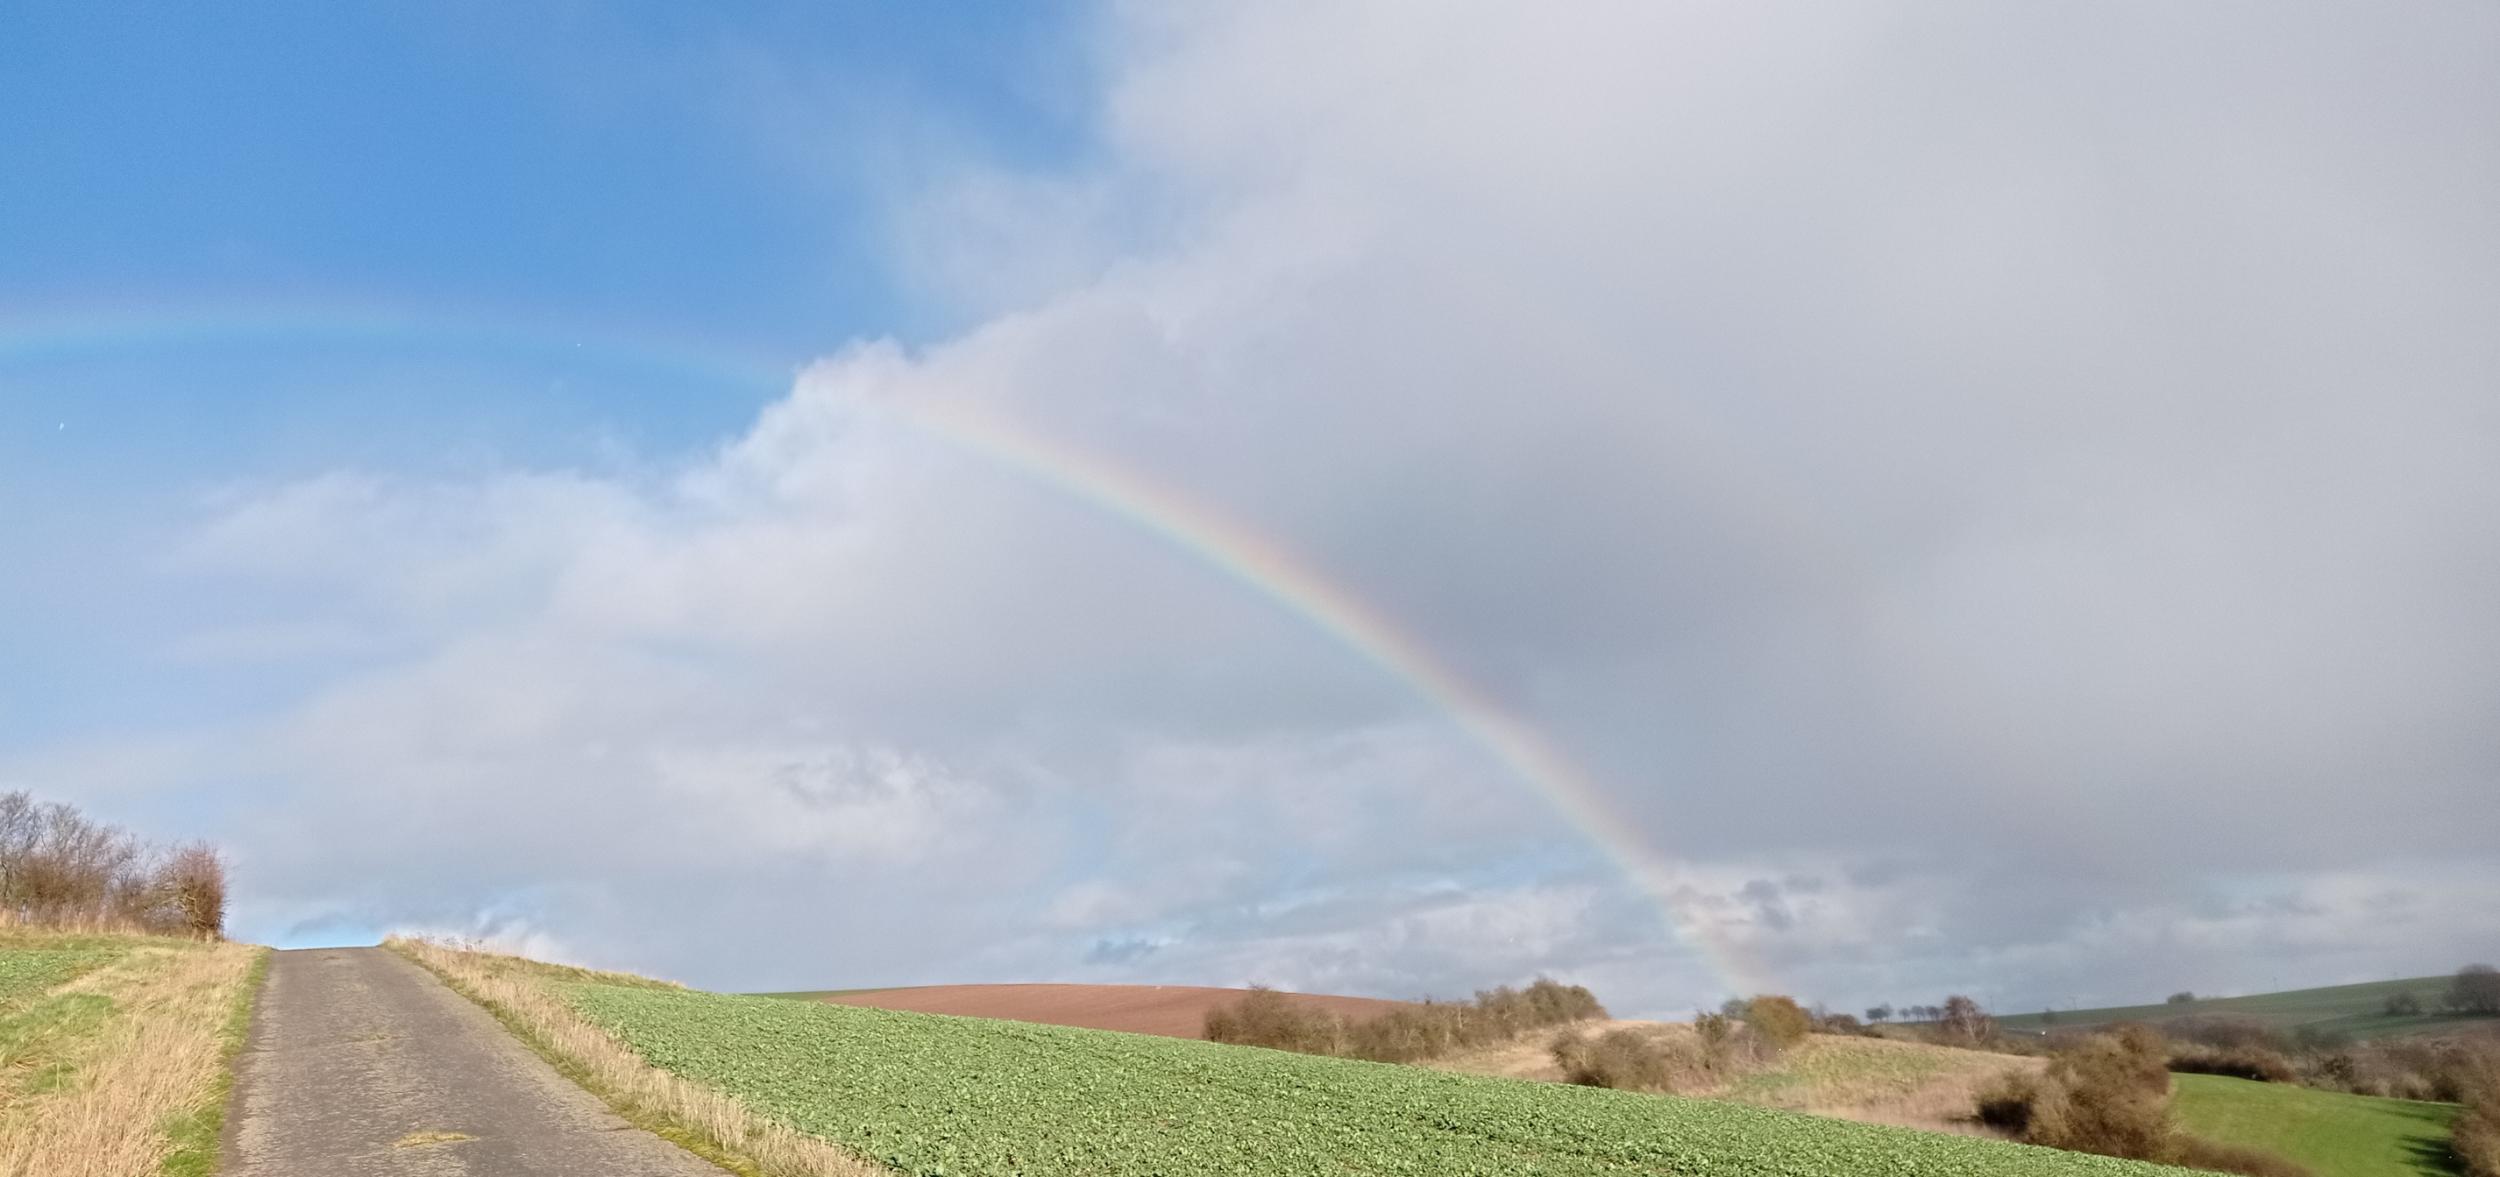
1174 1011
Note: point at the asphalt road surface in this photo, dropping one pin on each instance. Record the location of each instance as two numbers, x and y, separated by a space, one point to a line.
360 1063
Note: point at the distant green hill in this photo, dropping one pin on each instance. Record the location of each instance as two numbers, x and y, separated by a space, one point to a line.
2357 1011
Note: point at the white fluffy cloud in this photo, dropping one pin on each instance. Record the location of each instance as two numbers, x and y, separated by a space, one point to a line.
1888 448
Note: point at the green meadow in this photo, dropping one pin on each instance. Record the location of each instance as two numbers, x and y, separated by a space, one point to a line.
2336 1135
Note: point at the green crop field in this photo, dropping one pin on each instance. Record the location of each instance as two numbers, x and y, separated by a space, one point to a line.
935 1095
2336 1135
2352 1010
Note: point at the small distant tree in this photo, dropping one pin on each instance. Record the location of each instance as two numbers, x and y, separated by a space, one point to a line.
1879 1014
2182 997
2402 1004
1963 1022
2475 990
1734 1007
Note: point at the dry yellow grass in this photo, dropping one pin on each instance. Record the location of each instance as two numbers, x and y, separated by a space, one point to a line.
1912 1085
1905 1083
711 1124
115 1098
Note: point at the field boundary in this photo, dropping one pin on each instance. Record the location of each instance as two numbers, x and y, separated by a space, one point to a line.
704 1121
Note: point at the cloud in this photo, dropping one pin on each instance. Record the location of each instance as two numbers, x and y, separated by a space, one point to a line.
1992 496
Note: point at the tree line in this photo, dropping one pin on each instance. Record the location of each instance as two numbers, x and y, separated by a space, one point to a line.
61 868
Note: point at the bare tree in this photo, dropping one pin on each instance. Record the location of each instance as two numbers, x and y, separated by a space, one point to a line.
2475 990
1963 1021
60 867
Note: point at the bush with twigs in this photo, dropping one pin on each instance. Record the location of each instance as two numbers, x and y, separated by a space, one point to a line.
61 868
1662 1058
2475 1137
1430 1029
2110 1094
1779 1020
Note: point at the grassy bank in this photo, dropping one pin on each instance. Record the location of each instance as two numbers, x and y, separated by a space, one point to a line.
115 1051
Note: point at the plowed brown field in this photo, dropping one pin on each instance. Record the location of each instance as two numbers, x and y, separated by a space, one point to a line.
1174 1011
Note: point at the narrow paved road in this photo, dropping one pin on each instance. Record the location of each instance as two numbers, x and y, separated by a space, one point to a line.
360 1063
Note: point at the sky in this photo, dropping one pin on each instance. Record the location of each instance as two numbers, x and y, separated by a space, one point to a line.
1864 501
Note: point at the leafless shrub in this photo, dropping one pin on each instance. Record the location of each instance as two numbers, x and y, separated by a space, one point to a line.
2250 1062
1779 1020
60 868
1633 1059
2444 1070
1264 1017
1962 1021
193 879
1660 1058
1843 1025
2476 1134
2110 1094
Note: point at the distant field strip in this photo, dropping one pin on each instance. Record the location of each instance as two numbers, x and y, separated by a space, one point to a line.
2356 1010
2335 1134
935 1095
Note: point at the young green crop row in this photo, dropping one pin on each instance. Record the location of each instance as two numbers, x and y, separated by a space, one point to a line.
965 1097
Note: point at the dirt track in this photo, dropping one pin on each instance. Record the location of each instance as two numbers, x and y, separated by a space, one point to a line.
361 1064
1174 1011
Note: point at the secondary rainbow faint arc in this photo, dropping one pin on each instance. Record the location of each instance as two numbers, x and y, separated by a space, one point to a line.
1257 562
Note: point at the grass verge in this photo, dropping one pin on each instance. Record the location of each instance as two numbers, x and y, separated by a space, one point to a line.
704 1121
111 1066
196 1135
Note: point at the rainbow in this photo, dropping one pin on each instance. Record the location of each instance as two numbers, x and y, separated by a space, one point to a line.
1254 561
1267 567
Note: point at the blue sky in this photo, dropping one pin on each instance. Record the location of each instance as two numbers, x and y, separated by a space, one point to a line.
266 242
654 172
762 495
